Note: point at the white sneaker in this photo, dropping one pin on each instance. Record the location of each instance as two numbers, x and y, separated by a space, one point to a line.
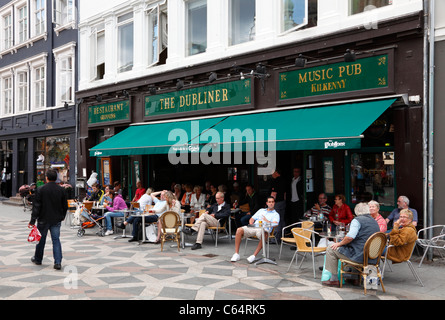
109 232
251 258
235 257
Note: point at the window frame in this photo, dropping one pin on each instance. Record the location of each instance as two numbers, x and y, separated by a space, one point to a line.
371 6
35 26
60 54
10 78
38 102
7 29
188 47
231 24
120 25
297 27
160 11
22 90
19 23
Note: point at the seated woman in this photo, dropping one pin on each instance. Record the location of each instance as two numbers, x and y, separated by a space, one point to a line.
198 199
118 204
146 199
403 237
374 208
340 213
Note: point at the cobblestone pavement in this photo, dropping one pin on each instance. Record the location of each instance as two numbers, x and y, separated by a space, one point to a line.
95 267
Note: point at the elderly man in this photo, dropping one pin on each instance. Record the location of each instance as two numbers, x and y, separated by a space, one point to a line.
402 203
351 247
403 237
219 210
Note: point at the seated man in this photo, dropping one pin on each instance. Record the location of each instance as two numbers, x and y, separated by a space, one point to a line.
267 215
252 200
403 237
351 247
219 210
321 207
402 203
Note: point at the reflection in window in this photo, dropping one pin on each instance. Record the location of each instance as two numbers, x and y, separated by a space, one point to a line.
372 178
294 14
242 24
196 26
52 152
358 6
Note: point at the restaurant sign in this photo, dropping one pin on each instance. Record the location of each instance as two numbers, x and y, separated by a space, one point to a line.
227 94
366 73
113 111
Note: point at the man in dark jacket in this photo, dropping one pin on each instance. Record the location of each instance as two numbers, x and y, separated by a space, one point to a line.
219 210
49 209
252 201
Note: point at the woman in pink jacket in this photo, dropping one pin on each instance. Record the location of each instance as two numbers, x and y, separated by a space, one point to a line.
114 211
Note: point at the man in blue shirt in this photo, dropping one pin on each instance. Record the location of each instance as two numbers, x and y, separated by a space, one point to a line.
267 216
402 203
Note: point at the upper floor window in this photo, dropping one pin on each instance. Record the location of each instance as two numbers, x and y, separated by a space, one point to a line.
39 17
63 12
125 42
294 14
7 98
65 75
39 87
158 34
22 21
97 52
7 31
196 33
242 21
22 86
358 6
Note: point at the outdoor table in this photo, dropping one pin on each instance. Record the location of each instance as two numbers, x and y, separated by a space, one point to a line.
265 258
100 208
126 213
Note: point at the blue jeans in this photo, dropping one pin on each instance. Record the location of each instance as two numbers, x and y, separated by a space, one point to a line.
137 221
55 237
110 215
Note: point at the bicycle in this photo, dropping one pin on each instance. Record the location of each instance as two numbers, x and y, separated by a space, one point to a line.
27 194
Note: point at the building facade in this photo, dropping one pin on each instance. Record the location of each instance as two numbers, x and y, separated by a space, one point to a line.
38 45
332 87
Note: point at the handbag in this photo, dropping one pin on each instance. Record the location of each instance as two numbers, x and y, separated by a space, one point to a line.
150 233
34 235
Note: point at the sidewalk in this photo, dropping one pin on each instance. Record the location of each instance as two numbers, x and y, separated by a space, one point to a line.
96 267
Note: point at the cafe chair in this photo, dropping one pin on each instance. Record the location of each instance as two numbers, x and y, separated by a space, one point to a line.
304 240
216 230
88 205
408 262
291 240
134 205
72 206
271 236
435 242
171 223
372 250
192 221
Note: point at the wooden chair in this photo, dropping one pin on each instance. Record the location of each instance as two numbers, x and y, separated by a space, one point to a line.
304 239
291 240
72 206
134 205
372 250
171 223
88 205
192 223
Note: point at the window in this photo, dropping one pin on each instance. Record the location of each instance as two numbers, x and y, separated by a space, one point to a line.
372 178
63 12
196 26
358 6
39 87
22 91
7 31
97 52
125 43
39 16
22 24
158 34
294 14
66 80
7 96
242 24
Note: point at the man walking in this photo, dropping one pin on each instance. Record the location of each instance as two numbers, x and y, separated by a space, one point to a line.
49 209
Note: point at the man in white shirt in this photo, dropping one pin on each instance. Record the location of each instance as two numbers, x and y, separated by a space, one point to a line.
296 206
267 215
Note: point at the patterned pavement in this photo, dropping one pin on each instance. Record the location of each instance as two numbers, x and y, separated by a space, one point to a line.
95 268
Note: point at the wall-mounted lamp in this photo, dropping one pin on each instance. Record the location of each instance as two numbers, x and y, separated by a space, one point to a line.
99 98
179 84
300 62
350 56
126 94
65 105
213 77
152 90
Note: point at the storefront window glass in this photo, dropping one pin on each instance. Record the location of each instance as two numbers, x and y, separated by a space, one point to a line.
52 152
372 178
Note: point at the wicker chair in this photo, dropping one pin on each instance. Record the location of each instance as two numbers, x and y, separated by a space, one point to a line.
171 223
373 249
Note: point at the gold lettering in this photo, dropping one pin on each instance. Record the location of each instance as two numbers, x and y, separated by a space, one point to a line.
225 95
302 79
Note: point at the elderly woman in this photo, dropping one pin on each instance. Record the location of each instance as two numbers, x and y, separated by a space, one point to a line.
374 208
351 247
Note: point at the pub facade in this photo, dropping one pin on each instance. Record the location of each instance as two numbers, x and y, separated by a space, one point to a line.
228 91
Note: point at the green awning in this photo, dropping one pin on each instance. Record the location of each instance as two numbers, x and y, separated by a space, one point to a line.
317 128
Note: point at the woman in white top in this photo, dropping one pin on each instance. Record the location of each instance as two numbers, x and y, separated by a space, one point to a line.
171 204
146 199
198 198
